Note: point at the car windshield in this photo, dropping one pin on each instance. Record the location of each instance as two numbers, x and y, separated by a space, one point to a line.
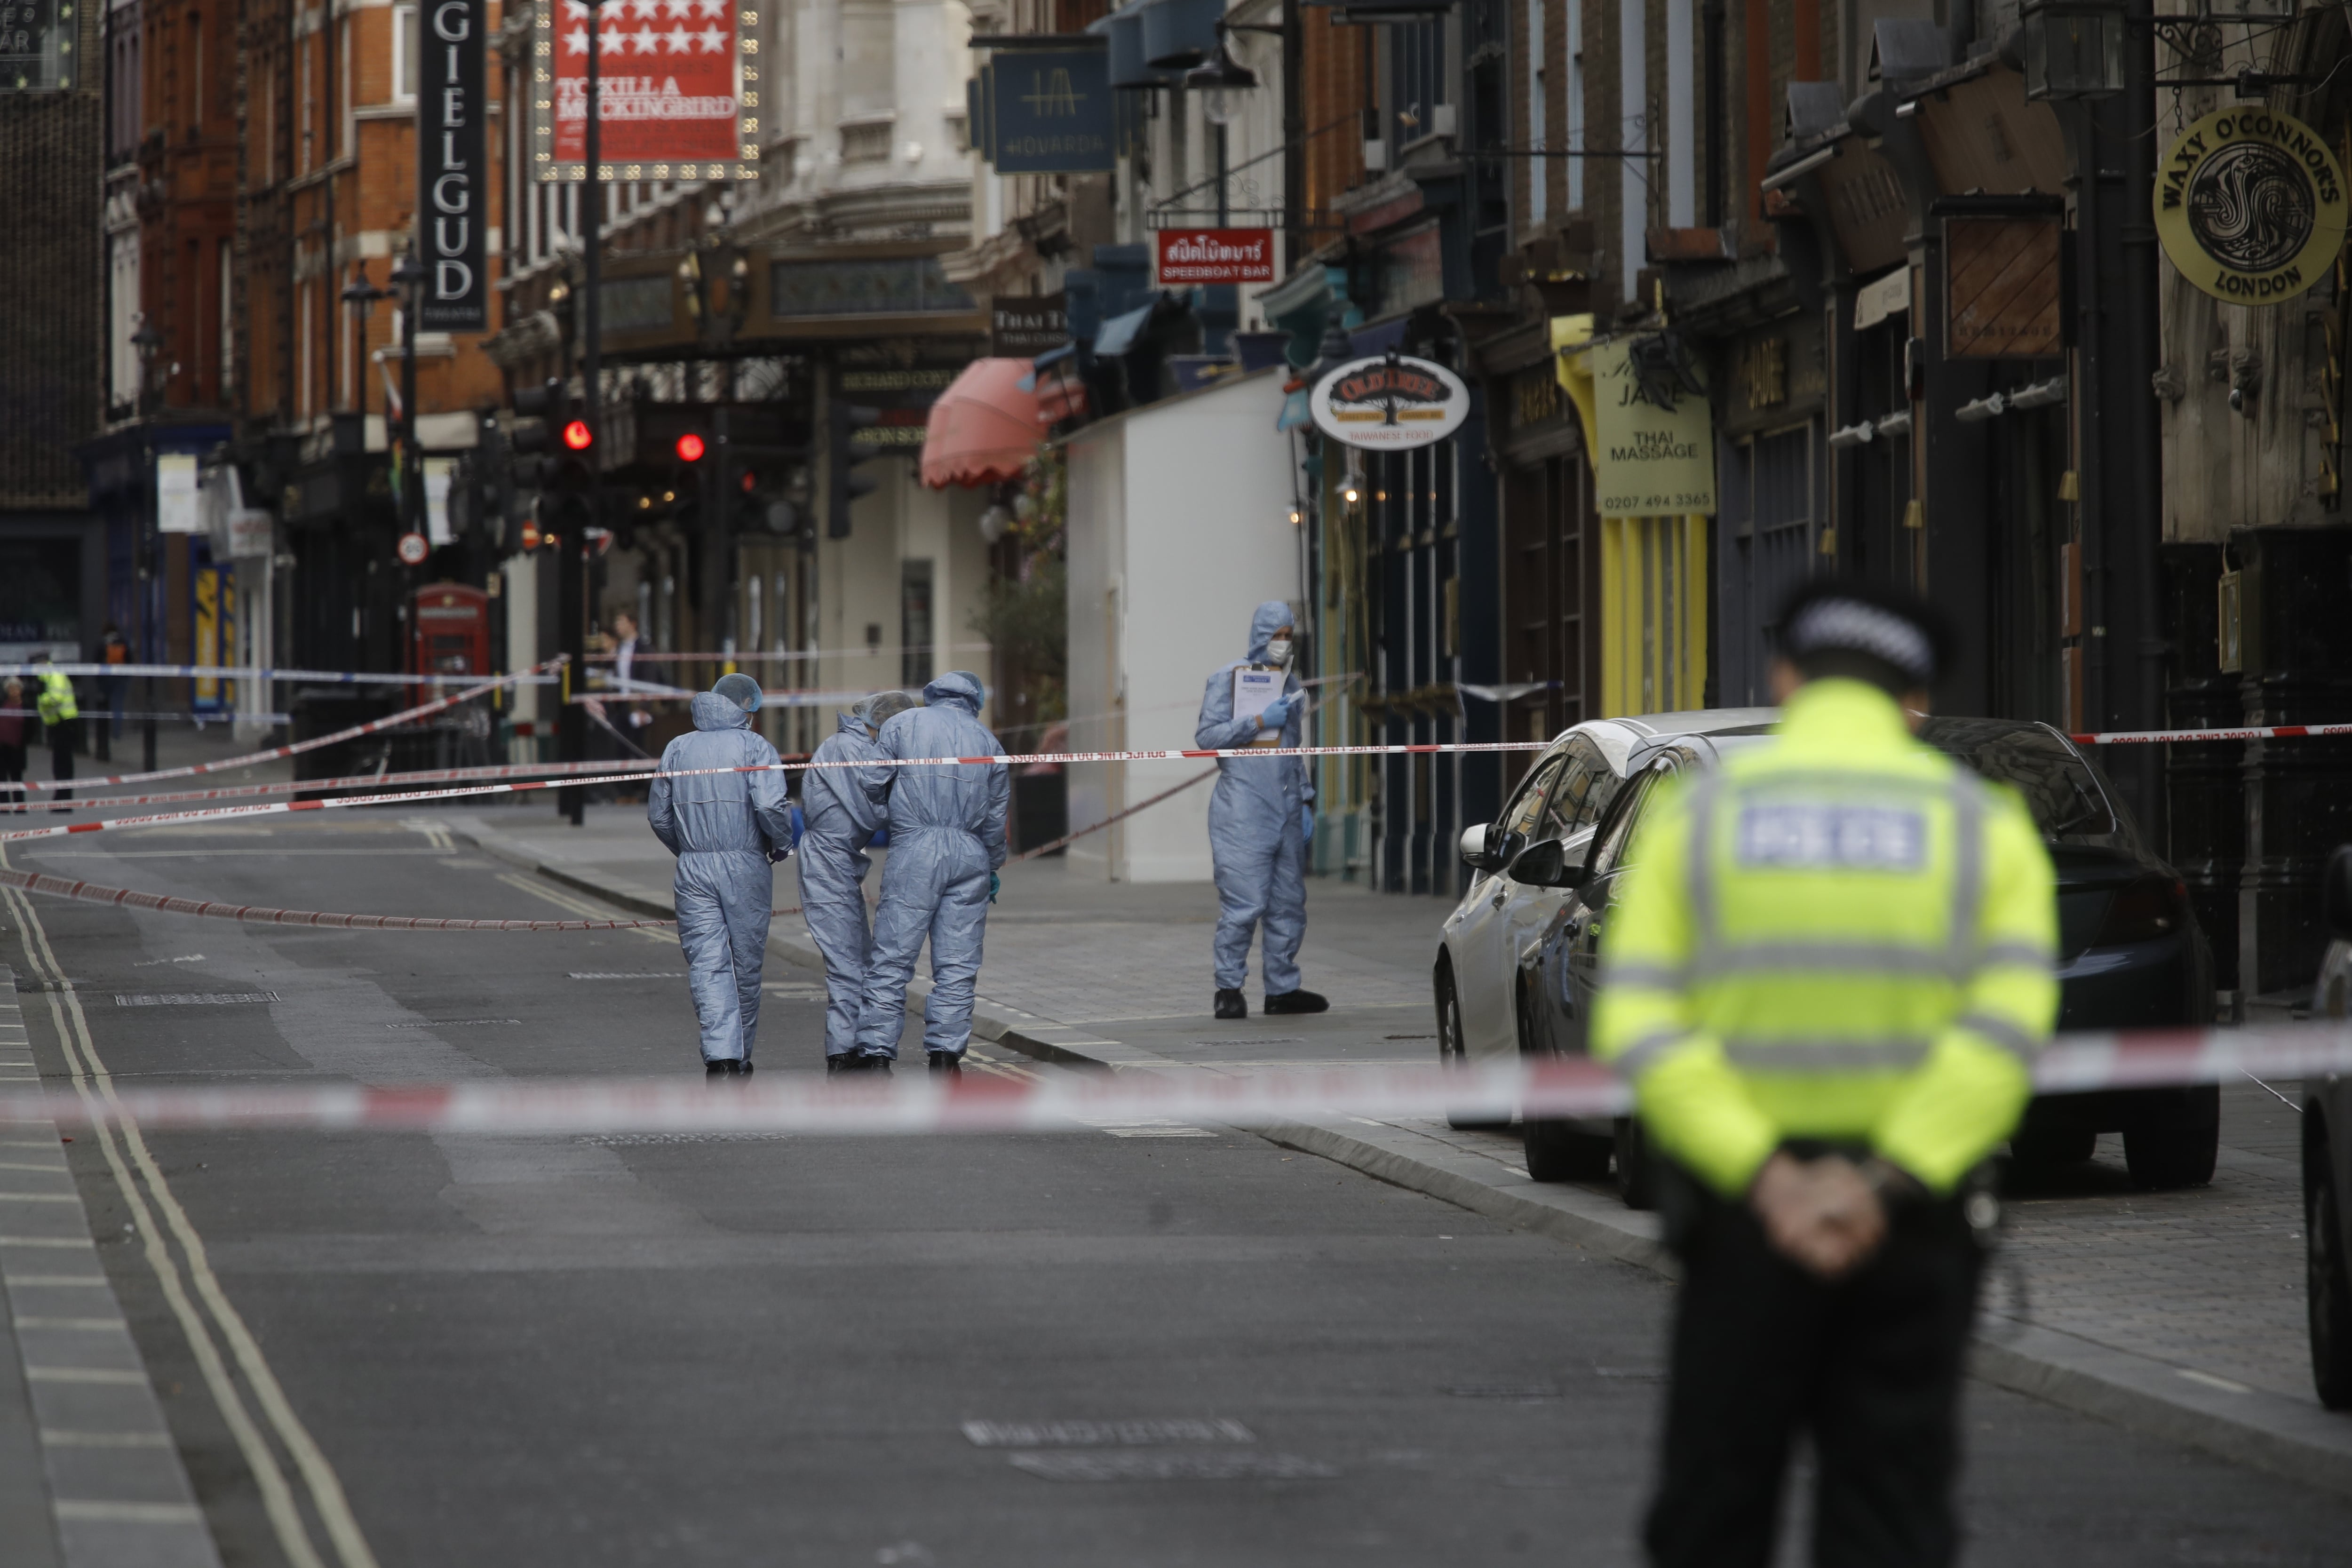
2067 798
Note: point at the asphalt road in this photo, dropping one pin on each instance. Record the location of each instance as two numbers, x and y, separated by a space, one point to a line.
687 1351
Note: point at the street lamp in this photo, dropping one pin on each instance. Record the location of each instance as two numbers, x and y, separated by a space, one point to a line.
408 279
2074 49
361 294
1219 79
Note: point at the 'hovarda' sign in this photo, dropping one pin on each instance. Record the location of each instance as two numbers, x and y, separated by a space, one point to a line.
1391 403
2250 205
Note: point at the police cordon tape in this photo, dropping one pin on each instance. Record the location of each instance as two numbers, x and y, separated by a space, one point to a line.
408 797
390 721
1049 1100
251 672
350 780
2176 737
258 914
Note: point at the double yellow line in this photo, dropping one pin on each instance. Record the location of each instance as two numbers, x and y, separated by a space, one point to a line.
235 1371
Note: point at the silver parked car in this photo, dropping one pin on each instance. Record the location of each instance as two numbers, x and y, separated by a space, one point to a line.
1561 796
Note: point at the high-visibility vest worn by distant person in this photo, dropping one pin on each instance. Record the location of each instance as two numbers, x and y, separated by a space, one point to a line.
1841 936
56 700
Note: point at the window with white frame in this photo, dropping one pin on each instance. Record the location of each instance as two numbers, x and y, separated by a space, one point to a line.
404 54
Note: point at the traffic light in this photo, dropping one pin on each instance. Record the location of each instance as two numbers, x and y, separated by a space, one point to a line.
537 411
689 448
846 420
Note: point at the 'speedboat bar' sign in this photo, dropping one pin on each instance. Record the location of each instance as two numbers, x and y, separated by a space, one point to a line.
1192 256
2250 206
453 189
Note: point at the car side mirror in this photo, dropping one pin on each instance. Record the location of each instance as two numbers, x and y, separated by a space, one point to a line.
1546 865
2335 894
1475 854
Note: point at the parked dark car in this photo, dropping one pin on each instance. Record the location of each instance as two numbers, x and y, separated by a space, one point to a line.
2130 956
2327 1160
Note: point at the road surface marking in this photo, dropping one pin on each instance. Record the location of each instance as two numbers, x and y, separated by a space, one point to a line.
93 1083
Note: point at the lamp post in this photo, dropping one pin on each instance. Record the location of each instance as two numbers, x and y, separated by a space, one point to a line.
408 281
149 343
361 294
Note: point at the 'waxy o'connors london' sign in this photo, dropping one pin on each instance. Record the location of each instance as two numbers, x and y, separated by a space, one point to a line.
2250 205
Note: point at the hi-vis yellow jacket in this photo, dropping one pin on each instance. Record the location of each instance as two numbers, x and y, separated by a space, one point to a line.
56 703
1842 935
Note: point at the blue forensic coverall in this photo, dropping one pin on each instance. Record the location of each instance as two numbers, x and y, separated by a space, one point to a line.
1257 843
839 820
947 839
721 826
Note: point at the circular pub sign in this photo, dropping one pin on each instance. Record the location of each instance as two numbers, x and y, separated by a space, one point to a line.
1390 403
2250 205
413 549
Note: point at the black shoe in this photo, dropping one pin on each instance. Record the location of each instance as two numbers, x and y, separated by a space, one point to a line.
722 1069
1232 1003
1295 1002
859 1061
747 1067
948 1062
844 1062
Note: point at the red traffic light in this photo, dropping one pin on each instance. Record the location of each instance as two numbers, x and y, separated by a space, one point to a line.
751 481
578 437
689 448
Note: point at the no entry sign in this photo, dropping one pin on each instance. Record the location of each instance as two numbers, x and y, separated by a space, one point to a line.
1216 256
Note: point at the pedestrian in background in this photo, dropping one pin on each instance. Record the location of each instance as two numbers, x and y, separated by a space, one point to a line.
1258 818
946 844
727 821
12 737
838 821
1827 975
60 718
112 649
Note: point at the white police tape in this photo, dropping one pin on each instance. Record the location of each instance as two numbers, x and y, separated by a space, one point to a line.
250 672
348 781
391 721
1048 1101
408 797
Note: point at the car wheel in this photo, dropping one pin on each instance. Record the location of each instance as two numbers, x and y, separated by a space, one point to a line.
2047 1150
1557 1152
1453 1051
2330 1290
1636 1181
2177 1155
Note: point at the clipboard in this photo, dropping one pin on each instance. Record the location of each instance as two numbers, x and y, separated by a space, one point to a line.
1255 687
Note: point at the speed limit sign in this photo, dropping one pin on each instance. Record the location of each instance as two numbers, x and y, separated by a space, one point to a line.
413 549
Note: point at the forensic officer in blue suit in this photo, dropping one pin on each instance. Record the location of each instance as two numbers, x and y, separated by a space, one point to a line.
839 821
1258 821
947 842
727 830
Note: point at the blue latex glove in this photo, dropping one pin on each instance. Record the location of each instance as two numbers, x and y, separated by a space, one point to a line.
800 824
1277 712
994 882
1307 823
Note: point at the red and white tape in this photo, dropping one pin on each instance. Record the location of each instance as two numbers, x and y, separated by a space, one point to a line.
409 798
405 716
260 914
2168 737
1047 1100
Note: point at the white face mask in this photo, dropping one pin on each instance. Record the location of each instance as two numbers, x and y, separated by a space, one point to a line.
1278 652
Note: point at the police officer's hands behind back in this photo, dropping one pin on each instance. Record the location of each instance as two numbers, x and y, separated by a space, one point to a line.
1823 1215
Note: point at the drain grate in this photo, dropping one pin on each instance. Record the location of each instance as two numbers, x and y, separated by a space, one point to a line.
452 1023
617 974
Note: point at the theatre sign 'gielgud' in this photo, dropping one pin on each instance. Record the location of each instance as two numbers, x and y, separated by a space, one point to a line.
2250 206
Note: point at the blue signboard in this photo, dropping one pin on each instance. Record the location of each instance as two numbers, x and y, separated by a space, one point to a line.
1051 111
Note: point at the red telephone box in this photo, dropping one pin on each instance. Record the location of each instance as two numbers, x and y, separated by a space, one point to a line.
449 634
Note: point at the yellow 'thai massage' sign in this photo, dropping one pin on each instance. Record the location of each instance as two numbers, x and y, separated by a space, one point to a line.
2251 206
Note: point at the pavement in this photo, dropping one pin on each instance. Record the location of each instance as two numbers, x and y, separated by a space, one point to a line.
1145 1345
2178 1314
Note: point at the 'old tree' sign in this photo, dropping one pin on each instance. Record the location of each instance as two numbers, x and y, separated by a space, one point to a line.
2250 205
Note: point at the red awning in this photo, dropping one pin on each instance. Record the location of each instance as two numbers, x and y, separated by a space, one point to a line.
985 428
